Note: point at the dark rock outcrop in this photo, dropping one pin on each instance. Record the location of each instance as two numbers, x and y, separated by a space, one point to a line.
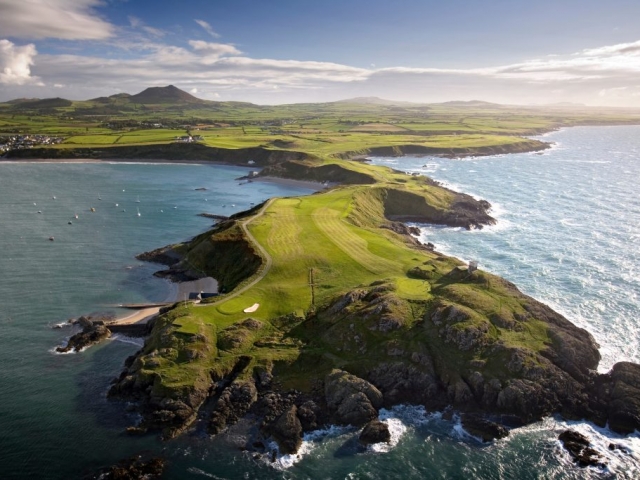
92 333
483 428
353 401
233 403
579 447
287 431
375 432
615 398
134 468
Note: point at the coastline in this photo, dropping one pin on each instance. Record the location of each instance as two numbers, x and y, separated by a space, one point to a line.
179 292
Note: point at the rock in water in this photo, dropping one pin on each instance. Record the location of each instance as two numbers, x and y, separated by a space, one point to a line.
134 468
615 397
92 332
288 431
483 428
375 432
353 400
579 447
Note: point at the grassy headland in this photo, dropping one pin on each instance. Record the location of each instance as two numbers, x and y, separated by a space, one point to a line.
339 282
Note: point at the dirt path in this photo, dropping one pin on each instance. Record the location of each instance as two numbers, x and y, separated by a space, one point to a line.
263 252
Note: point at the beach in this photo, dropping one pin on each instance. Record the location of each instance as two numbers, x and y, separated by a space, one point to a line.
179 292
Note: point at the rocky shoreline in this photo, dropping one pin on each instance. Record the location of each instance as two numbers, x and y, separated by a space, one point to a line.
368 348
561 378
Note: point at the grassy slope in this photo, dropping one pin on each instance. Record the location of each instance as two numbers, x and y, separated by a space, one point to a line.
335 235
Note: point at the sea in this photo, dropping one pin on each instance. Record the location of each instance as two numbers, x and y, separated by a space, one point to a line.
568 234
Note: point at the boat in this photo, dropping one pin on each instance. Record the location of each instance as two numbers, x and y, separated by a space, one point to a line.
161 211
70 222
138 211
138 199
75 216
54 197
93 209
51 238
39 211
116 204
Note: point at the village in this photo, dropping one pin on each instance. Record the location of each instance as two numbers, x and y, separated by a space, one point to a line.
19 142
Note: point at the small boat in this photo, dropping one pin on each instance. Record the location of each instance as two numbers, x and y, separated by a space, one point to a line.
175 206
93 209
54 197
75 216
34 203
51 238
123 210
138 199
39 211
123 189
161 211
116 204
70 222
138 212
233 204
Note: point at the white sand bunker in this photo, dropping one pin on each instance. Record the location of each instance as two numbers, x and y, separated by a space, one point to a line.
252 308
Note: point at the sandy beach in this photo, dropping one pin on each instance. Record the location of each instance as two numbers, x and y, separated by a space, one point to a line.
179 292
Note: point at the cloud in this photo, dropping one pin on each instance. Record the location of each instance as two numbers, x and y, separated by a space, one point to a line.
207 28
63 19
222 67
215 50
135 22
15 64
619 49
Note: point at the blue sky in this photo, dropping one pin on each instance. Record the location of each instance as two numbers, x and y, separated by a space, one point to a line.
284 51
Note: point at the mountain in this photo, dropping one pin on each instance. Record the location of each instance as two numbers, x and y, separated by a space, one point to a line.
36 103
470 103
169 94
373 101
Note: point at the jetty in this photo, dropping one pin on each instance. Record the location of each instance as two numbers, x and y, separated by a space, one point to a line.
140 306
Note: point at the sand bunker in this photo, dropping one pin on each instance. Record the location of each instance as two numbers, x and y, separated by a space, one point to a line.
252 308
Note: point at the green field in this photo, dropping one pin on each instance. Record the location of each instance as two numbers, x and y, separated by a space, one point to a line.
336 286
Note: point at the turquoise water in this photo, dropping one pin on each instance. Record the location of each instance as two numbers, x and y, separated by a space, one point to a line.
568 234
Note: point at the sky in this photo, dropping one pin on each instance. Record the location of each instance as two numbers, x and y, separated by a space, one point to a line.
286 51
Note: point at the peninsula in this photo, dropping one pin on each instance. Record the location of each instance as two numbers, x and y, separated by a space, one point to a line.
330 308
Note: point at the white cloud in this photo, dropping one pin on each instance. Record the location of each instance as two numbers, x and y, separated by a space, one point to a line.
207 28
207 67
15 63
214 50
64 19
135 22
619 49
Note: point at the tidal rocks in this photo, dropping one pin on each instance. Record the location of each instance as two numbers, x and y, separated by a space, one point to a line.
579 447
233 403
287 431
375 432
615 398
134 468
92 332
353 400
483 428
